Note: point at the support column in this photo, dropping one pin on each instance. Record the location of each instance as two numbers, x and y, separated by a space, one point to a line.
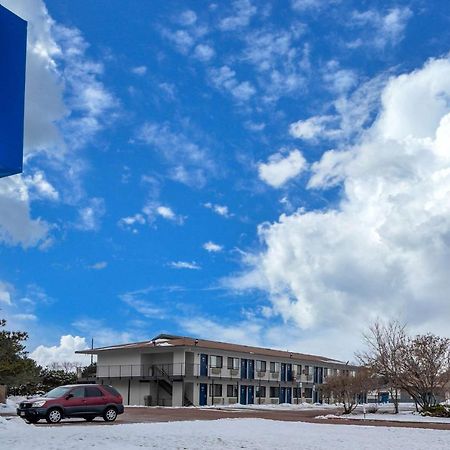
177 393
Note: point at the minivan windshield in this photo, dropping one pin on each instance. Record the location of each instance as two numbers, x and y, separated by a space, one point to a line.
57 392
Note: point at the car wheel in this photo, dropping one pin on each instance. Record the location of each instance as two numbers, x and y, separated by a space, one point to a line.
53 416
110 414
32 421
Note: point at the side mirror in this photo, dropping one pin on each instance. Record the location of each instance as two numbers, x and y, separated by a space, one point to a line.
69 396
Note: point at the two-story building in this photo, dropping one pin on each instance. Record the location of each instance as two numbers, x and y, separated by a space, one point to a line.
179 371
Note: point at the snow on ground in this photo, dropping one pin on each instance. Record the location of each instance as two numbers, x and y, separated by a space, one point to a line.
407 413
402 416
10 406
218 434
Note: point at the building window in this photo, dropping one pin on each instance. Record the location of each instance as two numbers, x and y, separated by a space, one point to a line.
232 390
325 372
274 392
215 390
216 361
306 372
308 392
297 393
260 391
274 367
233 363
299 369
260 366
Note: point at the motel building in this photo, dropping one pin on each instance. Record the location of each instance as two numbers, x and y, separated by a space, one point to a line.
182 371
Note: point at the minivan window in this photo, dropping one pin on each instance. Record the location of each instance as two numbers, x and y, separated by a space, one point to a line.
77 392
57 392
111 390
93 392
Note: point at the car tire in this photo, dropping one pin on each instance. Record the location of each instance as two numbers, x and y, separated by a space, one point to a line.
53 415
110 414
32 421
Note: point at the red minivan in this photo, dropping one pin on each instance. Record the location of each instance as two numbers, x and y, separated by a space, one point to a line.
86 401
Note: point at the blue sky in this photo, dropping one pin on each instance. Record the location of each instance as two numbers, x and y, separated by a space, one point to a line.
244 171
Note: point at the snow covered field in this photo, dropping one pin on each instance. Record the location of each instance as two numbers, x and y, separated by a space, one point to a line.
217 434
402 416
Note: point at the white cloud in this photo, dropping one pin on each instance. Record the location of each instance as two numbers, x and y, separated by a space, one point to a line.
64 352
221 210
39 187
310 128
204 52
166 212
280 59
280 168
189 163
255 126
65 104
187 18
89 216
16 224
387 29
139 70
246 332
25 317
243 12
353 112
339 80
139 302
152 210
182 40
5 295
383 250
304 5
211 247
184 265
132 220
99 265
104 335
225 79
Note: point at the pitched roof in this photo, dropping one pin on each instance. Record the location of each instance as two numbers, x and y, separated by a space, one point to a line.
167 340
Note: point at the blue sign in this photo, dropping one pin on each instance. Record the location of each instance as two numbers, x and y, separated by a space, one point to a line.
13 44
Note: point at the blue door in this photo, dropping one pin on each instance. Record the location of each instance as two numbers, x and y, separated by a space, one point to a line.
317 397
288 395
203 365
203 398
251 369
251 395
243 368
384 397
283 395
283 372
318 375
289 372
243 399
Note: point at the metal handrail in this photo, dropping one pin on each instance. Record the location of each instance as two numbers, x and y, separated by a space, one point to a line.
174 370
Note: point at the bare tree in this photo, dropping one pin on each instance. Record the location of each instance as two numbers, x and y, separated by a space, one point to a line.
383 355
347 388
426 368
66 366
419 366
